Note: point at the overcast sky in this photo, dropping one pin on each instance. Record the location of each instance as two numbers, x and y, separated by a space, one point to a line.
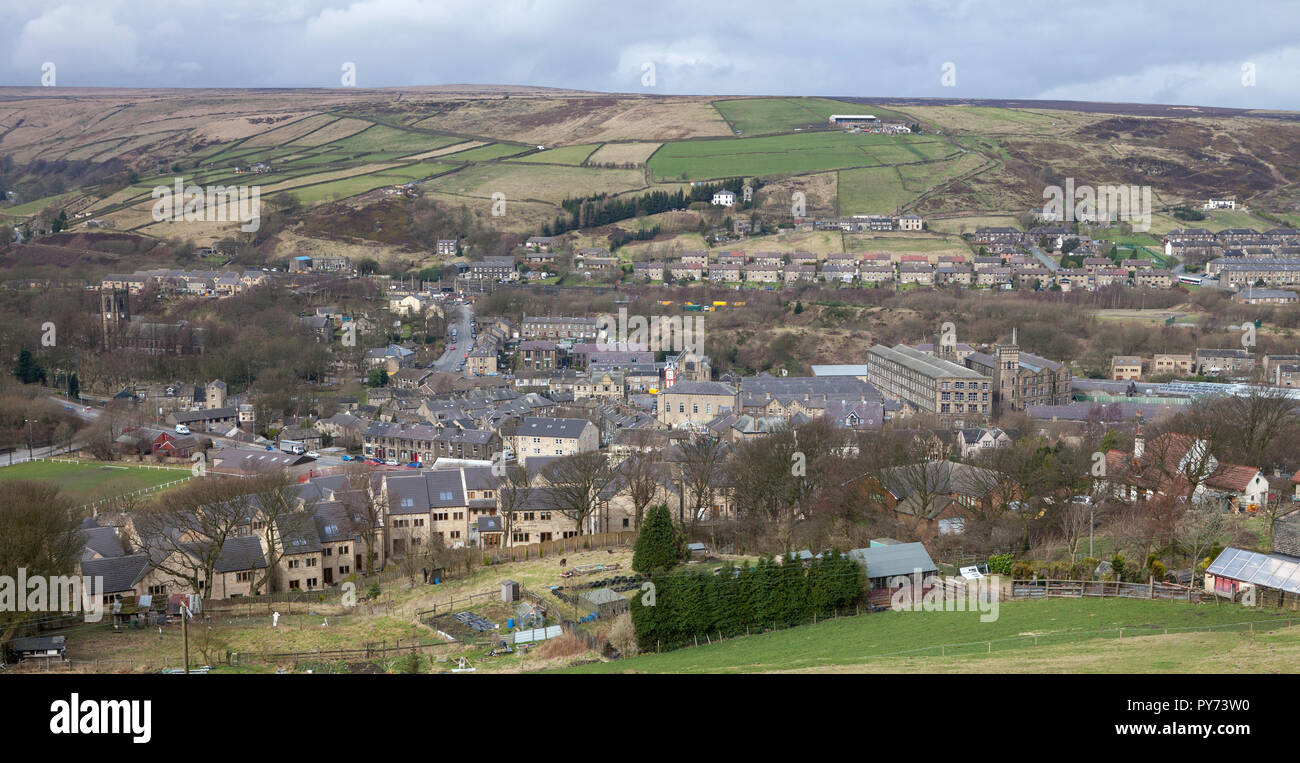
1185 52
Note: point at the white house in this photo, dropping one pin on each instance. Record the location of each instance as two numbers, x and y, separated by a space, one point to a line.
408 305
724 198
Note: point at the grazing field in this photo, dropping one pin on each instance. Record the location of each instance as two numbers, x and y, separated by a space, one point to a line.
873 642
549 183
290 132
85 482
915 243
574 155
788 154
336 130
623 153
381 138
886 189
763 116
486 153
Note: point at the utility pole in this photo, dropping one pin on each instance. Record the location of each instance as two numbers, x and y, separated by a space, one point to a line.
185 635
29 423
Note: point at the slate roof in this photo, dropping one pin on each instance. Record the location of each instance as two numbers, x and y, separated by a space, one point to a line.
119 573
549 427
239 554
899 559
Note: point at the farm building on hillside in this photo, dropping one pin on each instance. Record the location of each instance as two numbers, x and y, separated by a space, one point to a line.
888 561
853 119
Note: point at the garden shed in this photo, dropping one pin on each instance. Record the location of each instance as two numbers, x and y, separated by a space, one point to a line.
605 601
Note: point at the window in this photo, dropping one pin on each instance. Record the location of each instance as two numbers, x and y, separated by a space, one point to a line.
158 590
312 562
295 585
294 563
445 495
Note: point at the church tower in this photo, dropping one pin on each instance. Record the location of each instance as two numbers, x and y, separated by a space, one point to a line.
1008 358
115 310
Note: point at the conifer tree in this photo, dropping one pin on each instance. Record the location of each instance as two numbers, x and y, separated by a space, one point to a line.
656 544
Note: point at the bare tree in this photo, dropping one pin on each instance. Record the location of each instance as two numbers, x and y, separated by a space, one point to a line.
643 476
282 515
702 461
1199 529
513 492
185 530
1255 422
576 483
366 512
38 533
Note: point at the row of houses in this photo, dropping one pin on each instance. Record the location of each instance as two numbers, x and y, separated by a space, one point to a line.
202 283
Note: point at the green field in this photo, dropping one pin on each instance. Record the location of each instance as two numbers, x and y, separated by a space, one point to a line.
764 116
485 153
789 154
878 639
83 483
381 138
574 155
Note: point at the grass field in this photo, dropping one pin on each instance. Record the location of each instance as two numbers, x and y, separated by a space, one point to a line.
537 182
786 154
994 120
886 189
872 642
574 155
486 153
83 483
764 116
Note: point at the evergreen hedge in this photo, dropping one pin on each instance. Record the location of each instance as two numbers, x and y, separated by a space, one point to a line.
689 604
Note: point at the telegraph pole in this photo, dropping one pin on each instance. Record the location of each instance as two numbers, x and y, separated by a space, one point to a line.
185 635
29 423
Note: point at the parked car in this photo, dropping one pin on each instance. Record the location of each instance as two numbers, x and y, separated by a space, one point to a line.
182 429
346 457
313 454
414 464
390 462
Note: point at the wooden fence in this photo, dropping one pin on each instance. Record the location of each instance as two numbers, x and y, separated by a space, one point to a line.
560 547
1050 589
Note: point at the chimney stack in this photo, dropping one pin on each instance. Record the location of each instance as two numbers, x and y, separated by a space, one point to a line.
1139 446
